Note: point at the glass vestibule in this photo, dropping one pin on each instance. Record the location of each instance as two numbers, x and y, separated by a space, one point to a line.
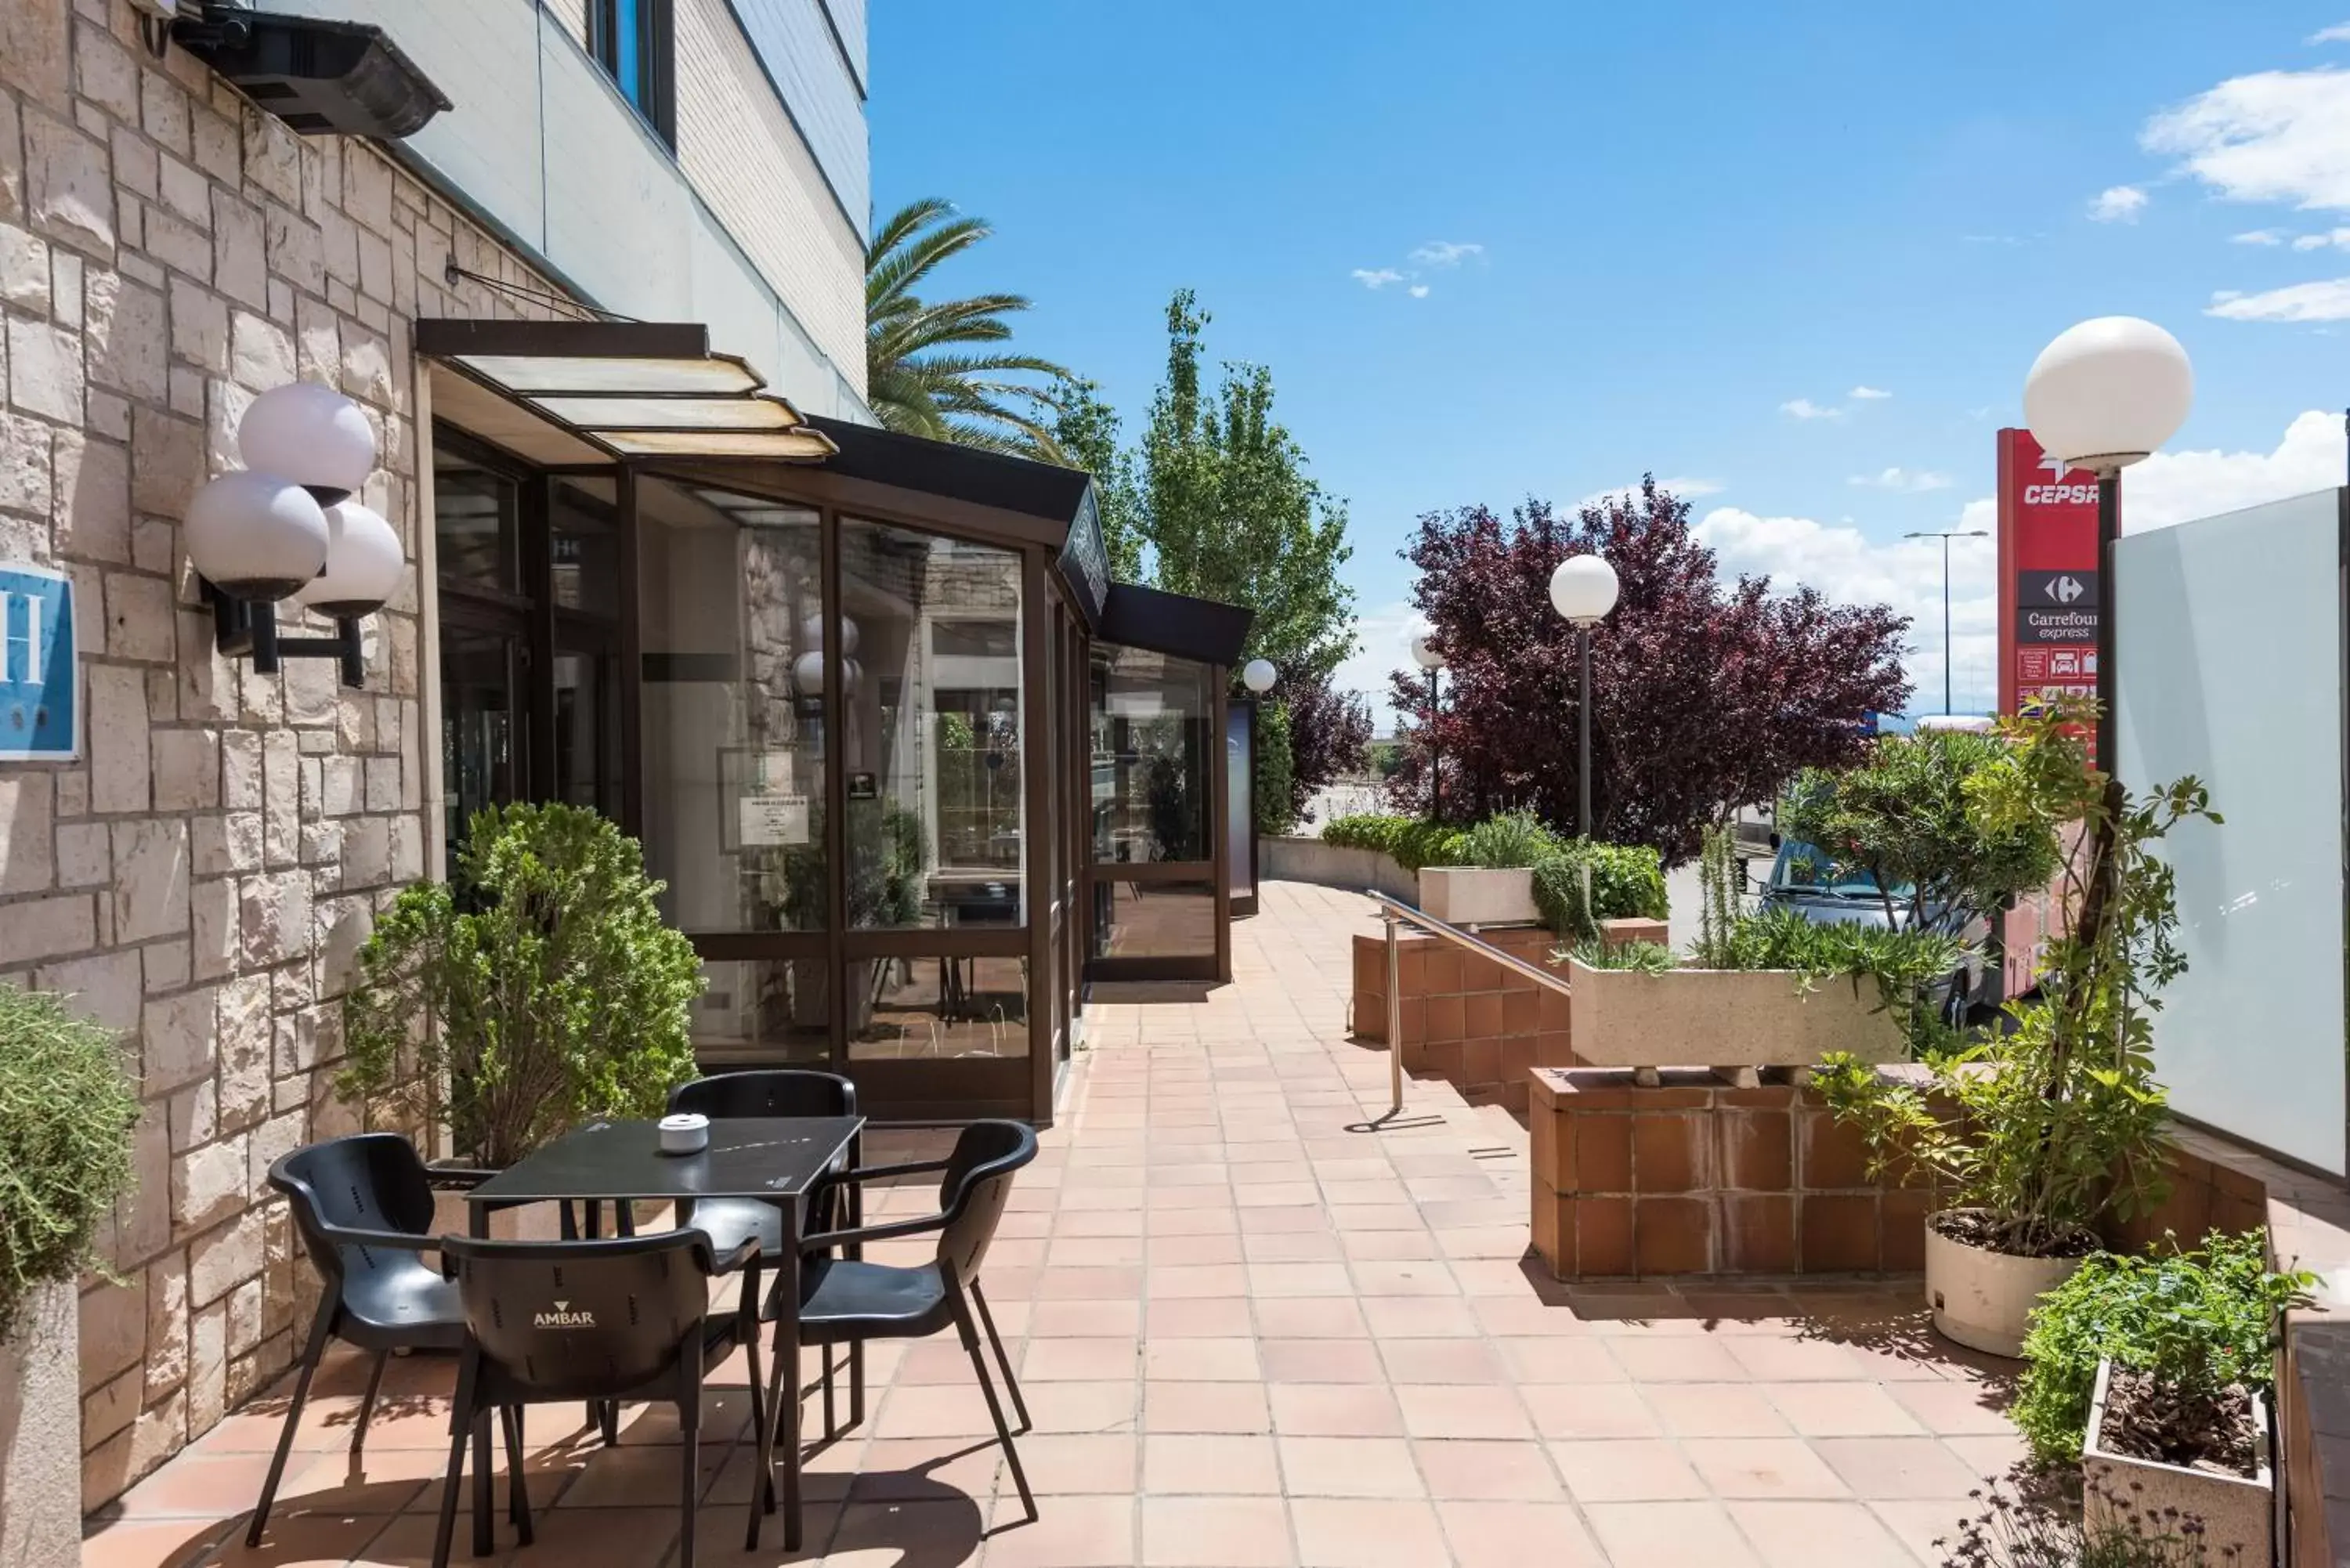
1157 792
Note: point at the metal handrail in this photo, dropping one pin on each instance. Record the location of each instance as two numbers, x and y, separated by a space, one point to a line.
1395 912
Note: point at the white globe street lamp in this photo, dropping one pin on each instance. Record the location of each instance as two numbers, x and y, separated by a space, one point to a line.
1258 675
2105 394
260 537
1583 590
1424 654
363 564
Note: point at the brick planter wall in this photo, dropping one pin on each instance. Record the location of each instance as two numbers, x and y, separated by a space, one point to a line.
1466 1019
1693 1177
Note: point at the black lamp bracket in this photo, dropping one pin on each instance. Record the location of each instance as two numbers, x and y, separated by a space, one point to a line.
248 628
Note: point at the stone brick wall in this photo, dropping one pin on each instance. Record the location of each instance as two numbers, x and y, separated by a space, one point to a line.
201 878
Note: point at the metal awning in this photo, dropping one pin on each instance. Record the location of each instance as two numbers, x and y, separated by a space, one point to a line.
626 389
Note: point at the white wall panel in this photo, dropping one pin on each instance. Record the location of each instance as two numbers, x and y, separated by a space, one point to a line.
2231 669
797 43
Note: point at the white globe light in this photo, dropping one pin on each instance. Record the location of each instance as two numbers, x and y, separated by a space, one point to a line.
1422 654
1583 589
363 564
310 434
807 673
256 536
811 633
1258 675
852 676
2109 392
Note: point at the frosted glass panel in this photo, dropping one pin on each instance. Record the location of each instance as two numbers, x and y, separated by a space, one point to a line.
2231 669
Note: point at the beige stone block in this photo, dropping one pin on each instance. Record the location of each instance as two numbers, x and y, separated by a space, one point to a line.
69 195
281 798
219 1261
345 925
105 72
261 352
383 791
103 988
41 927
241 775
225 406
322 843
218 145
140 621
407 849
82 856
110 1407
178 244
118 739
179 1037
33 57
142 1215
45 371
368 368
243 1330
24 468
245 1039
136 171
194 1115
274 916
367 851
207 1367
187 769
151 879
113 1332
91 507
213 937
240 250
208 1186
67 305
199 324
167 461
166 966
24 270
311 688
125 335
340 786
167 1322
27 832
272 1141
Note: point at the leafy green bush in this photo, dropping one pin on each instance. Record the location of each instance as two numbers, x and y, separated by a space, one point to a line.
555 995
2198 1322
1627 882
1648 958
66 1110
1512 841
1274 796
1411 842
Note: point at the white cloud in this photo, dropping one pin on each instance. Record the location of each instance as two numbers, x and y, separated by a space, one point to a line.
1376 277
2257 237
1805 409
1685 488
1418 291
2275 135
2338 238
1380 639
2326 301
1903 479
1866 394
2117 204
1446 252
2337 34
2180 486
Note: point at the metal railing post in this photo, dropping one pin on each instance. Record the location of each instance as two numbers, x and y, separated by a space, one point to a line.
1395 1016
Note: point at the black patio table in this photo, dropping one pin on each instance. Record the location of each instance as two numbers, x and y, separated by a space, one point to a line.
775 1159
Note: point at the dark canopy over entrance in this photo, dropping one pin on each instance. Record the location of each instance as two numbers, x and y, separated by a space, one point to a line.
913 767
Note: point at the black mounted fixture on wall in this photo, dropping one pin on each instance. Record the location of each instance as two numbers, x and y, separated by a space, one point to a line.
321 78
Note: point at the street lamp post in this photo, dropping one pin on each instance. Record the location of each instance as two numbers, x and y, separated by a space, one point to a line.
1426 656
1946 538
1584 590
2103 395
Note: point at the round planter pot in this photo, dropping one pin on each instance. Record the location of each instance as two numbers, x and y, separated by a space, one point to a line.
1983 1300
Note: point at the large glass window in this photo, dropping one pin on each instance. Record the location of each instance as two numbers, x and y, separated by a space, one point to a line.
1152 791
1154 920
732 712
635 42
930 729
474 525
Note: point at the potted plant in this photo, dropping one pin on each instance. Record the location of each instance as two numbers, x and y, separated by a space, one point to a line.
2036 1132
1494 884
538 989
2153 1374
66 1110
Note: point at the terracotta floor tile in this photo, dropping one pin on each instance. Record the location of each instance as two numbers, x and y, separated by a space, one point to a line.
1492 1472
1297 1279
1669 1535
1518 1535
1819 1535
1366 1533
1205 1407
934 1410
1675 1358
1322 1360
1562 1359
1195 1280
1436 1410
1180 1251
1841 1409
1898 1469
204 1486
1410 1277
1060 1464
1393 1246
1625 1470
1069 1532
1920 1524
1084 1251
1078 1320
1762 1468
1216 1533
1310 1317
1197 1317
1419 1318
1201 1360
1953 1409
1075 1360
151 1543
1349 1466
943 1532
1573 1411
1293 1247
1077 1408
1714 1411
1335 1410
1457 1361
1221 1464
1770 1358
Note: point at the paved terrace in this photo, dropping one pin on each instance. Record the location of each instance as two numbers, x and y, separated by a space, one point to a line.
1250 1333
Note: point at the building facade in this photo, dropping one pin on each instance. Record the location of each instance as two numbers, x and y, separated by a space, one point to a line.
200 874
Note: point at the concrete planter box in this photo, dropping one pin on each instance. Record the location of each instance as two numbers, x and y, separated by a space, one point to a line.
2239 1513
1724 1018
40 1432
1478 896
1334 866
1982 1299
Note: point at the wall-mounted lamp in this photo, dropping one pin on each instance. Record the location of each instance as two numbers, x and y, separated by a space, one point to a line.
284 527
1258 675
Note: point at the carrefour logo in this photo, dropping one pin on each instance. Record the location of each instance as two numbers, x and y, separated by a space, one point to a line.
564 1317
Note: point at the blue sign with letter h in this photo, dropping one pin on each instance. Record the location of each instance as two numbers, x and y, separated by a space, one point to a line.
40 683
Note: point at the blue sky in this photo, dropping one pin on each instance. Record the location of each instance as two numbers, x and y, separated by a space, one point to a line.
1567 243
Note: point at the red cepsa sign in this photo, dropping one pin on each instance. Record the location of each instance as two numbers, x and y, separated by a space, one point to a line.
2049 593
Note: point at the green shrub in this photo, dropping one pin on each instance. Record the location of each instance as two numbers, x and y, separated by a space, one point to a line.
1273 797
2198 1322
1627 882
555 994
66 1110
1411 842
1513 840
1648 958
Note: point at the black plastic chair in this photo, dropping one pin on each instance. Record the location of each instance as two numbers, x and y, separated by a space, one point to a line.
727 1221
363 1206
552 1321
846 1301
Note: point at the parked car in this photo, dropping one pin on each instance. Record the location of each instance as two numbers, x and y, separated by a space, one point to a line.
1805 879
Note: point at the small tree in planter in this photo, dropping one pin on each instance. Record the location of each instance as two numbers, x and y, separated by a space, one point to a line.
2057 1121
541 990
66 1110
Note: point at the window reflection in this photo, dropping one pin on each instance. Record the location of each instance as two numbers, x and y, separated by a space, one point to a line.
1154 920
473 524
940 1007
764 1012
1150 779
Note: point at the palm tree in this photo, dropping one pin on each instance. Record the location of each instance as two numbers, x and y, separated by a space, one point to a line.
921 376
